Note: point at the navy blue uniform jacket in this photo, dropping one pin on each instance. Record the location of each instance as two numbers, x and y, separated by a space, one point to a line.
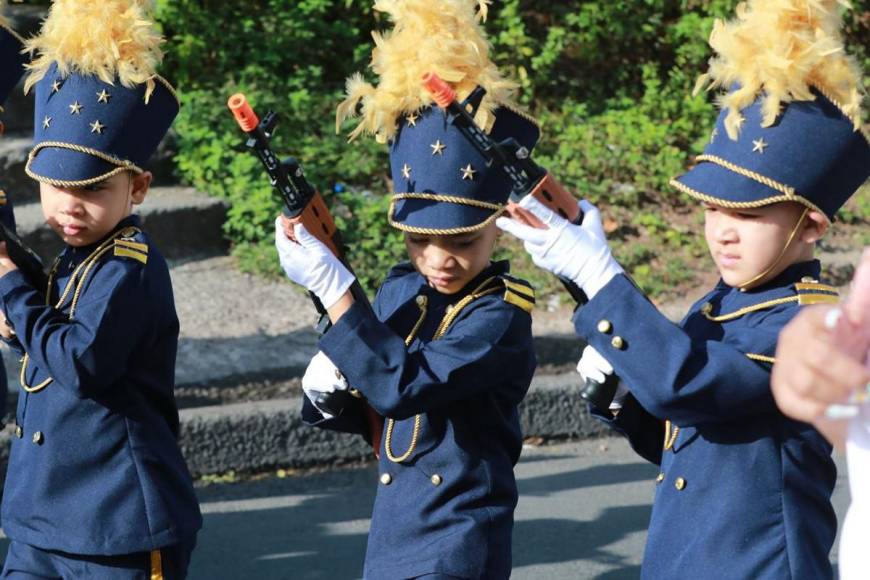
743 491
7 216
95 467
447 507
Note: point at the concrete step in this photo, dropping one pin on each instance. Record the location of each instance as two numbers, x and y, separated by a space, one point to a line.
259 436
263 435
183 222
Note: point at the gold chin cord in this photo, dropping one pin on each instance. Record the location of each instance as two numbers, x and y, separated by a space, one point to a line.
749 283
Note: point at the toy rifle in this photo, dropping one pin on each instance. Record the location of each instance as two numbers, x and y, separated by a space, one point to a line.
24 257
304 204
527 178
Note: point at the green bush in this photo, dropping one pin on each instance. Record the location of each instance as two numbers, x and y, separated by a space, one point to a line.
610 81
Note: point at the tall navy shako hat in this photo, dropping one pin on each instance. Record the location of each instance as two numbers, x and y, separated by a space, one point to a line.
87 130
101 108
11 60
442 183
790 128
812 155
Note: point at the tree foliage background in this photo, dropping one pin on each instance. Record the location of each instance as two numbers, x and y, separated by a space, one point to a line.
610 81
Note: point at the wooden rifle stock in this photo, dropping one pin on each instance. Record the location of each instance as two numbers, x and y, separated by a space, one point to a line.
302 204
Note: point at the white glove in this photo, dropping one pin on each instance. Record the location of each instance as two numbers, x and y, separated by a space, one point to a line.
309 263
578 253
321 378
594 366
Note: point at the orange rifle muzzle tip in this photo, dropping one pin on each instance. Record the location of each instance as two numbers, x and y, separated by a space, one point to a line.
441 92
243 112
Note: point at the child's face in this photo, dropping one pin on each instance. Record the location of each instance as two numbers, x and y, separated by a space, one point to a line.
746 242
84 215
450 262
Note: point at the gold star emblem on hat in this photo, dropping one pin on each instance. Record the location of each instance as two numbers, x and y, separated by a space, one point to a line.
75 108
97 127
759 145
46 123
438 147
103 96
406 171
55 86
468 172
412 119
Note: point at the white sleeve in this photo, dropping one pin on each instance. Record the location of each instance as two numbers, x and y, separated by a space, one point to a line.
854 555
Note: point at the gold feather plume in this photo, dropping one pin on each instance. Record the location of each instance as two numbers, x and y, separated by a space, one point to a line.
441 36
781 48
110 39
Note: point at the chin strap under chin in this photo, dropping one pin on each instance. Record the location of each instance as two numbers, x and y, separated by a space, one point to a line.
748 284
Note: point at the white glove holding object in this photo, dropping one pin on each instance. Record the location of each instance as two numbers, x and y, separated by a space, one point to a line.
594 366
322 378
309 263
578 253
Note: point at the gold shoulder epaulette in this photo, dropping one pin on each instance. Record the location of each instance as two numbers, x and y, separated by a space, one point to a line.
518 292
813 292
128 248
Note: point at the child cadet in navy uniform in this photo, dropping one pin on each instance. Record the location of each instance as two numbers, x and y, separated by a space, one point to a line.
97 486
11 69
743 491
447 355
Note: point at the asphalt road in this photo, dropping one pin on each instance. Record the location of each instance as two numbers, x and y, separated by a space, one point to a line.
583 513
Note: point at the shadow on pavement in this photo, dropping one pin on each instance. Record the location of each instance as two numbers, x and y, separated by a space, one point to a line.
311 527
605 474
550 541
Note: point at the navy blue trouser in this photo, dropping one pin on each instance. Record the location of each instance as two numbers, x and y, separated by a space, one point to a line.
25 562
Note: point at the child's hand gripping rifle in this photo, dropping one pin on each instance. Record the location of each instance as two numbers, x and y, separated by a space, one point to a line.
27 260
304 204
527 178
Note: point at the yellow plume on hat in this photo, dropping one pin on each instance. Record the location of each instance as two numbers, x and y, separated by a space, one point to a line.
782 48
110 39
440 36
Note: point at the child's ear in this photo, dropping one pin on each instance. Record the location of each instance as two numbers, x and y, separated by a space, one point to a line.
140 182
815 226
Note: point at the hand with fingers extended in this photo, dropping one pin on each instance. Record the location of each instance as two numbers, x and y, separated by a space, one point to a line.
823 360
811 371
309 263
577 253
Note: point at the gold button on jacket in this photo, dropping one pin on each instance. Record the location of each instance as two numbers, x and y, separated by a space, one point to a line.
386 479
